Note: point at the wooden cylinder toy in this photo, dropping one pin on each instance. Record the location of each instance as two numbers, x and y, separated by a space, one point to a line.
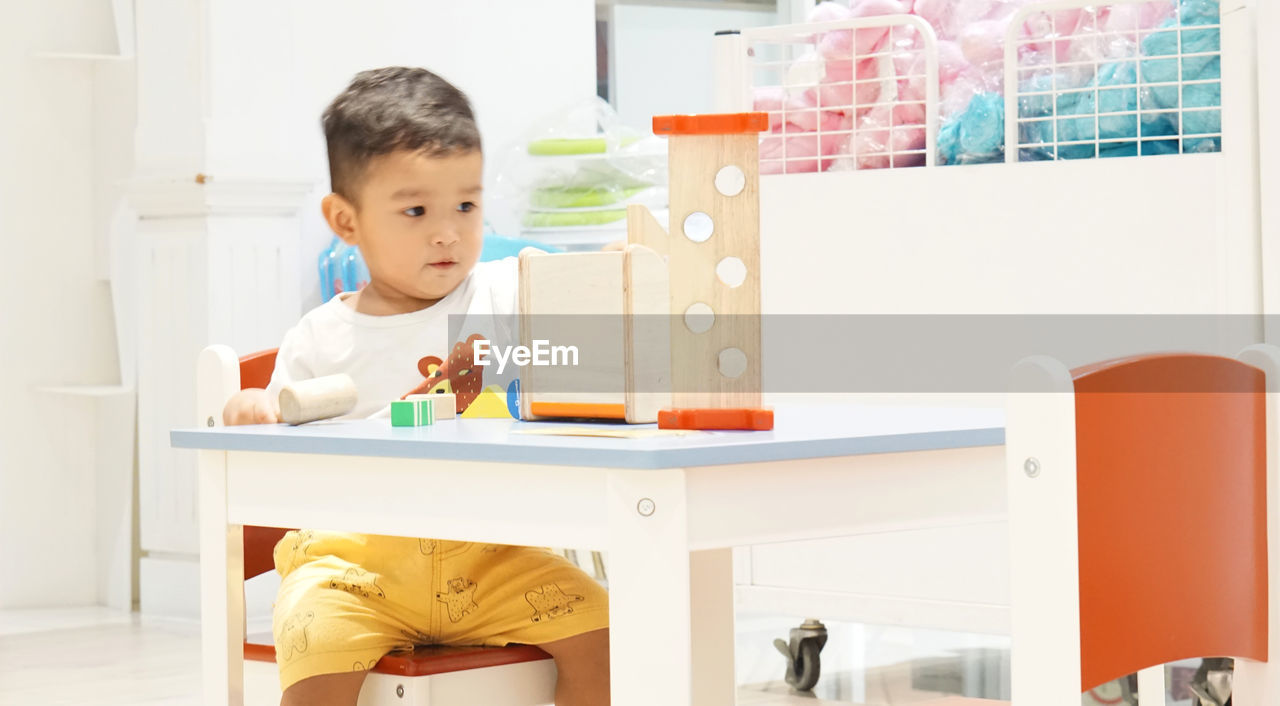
318 398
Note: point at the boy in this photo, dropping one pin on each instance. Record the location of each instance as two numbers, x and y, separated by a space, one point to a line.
406 171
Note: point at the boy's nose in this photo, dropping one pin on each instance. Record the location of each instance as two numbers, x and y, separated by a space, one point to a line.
444 236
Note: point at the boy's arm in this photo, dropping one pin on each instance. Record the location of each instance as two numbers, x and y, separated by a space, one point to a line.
251 406
258 406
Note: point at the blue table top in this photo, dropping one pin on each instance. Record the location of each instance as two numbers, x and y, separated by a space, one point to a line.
799 432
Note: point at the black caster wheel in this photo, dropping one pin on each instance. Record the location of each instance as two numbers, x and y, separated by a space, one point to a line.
803 663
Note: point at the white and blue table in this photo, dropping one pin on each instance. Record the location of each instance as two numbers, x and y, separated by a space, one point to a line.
667 510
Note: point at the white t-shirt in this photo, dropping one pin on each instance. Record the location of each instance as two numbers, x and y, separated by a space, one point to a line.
390 356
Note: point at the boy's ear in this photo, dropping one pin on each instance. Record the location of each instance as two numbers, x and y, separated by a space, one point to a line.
341 216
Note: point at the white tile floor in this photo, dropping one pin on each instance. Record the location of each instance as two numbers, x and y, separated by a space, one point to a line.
99 657
96 656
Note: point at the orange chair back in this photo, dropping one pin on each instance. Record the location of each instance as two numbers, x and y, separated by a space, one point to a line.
259 542
1171 490
256 369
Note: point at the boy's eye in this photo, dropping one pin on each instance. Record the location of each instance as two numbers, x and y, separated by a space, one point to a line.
415 211
466 207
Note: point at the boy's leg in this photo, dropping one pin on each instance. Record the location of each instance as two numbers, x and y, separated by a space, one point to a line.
332 622
582 668
325 690
497 595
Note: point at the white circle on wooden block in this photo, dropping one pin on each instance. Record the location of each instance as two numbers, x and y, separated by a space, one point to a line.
730 180
731 271
699 317
733 362
698 227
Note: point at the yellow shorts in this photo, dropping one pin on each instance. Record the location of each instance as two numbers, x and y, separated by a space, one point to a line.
348 599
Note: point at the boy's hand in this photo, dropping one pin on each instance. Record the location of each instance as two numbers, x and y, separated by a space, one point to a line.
252 406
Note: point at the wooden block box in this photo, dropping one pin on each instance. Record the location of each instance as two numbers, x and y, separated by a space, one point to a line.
602 317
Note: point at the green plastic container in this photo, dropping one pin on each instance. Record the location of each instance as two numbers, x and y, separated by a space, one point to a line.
581 196
561 146
570 219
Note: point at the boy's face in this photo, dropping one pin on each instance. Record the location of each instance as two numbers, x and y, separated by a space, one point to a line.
418 224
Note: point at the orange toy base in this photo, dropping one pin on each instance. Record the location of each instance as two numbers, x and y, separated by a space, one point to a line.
578 410
714 418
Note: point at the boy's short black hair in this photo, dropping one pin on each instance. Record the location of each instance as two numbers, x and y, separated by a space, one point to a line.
391 109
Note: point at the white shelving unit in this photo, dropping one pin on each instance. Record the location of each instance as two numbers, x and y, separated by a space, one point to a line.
72 56
123 14
98 507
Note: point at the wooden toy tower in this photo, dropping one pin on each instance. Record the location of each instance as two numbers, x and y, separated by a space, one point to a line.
714 263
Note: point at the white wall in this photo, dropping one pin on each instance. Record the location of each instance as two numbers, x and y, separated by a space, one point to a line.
56 324
271 68
662 57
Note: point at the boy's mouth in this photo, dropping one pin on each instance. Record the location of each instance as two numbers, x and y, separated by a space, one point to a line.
443 264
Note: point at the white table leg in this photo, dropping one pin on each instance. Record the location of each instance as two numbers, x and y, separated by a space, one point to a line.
1151 686
1044 569
711 591
1257 683
649 613
221 587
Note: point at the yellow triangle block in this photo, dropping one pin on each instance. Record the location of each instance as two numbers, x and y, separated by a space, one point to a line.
491 403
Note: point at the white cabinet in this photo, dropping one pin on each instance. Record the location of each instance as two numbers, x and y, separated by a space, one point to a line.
946 578
212 263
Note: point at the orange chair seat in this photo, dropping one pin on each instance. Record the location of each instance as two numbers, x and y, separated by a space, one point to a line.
425 661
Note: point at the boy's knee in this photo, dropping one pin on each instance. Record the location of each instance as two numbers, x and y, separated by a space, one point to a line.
586 651
582 666
325 690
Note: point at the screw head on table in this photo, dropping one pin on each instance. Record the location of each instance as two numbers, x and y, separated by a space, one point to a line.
1031 466
209 421
645 507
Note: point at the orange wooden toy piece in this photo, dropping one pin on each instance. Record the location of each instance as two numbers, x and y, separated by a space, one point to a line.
714 163
716 418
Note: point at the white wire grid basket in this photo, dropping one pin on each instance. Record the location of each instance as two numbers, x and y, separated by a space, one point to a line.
1090 81
848 94
1127 78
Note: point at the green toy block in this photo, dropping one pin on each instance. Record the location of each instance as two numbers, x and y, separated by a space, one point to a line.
443 403
412 413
